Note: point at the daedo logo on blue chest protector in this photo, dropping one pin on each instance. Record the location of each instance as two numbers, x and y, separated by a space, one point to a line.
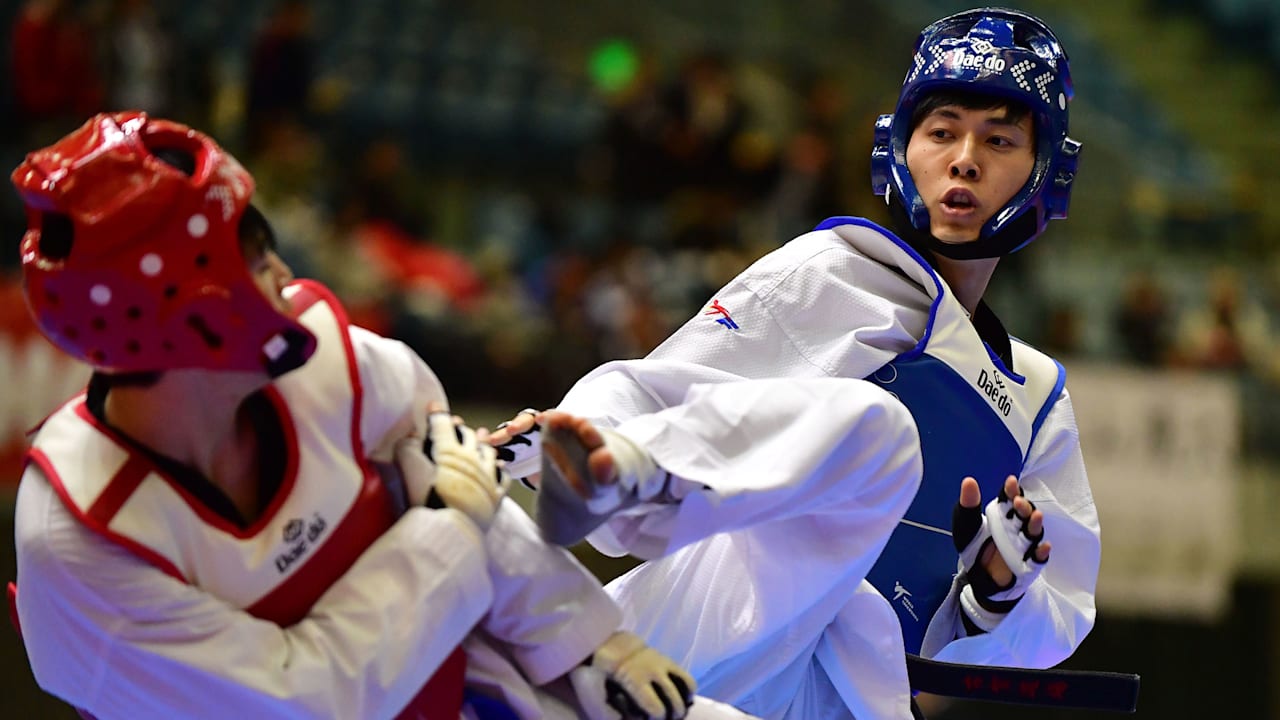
993 387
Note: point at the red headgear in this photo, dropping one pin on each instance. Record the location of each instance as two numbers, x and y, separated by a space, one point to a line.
132 265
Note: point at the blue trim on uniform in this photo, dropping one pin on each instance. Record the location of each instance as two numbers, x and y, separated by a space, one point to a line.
837 221
995 359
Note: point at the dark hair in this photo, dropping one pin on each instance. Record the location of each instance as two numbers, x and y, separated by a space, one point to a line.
256 235
1015 110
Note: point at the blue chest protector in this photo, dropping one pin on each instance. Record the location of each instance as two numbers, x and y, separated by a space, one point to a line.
975 418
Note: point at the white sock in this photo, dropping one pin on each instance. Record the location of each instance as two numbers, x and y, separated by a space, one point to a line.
636 470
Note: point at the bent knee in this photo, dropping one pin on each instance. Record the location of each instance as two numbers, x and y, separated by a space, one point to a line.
885 423
879 412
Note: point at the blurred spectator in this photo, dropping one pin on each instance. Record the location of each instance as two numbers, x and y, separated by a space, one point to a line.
292 162
1062 331
1143 321
705 220
1230 331
339 262
416 266
55 82
634 162
281 71
706 116
710 138
575 350
808 189
140 59
388 190
383 271
291 175
194 79
681 158
619 304
693 131
515 333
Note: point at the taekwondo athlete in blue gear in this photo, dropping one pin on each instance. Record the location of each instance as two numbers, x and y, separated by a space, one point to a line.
767 463
976 415
998 53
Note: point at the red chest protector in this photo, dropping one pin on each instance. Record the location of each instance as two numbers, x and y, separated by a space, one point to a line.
330 506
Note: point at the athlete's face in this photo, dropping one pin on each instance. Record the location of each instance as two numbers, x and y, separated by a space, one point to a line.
967 164
271 274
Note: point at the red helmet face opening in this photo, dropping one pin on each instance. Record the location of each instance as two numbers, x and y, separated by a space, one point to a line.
134 265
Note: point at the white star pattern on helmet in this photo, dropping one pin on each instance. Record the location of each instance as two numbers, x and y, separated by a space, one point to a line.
1042 81
916 63
222 194
939 55
233 181
1019 71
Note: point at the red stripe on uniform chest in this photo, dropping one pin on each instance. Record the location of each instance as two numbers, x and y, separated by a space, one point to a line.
119 489
369 517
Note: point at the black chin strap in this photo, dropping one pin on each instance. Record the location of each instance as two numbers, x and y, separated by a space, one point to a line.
1013 235
298 347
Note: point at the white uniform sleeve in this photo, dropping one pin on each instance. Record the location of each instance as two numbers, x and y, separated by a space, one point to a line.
392 376
1058 611
815 307
548 612
548 609
106 631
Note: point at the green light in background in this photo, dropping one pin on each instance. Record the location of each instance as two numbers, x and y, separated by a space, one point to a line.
613 64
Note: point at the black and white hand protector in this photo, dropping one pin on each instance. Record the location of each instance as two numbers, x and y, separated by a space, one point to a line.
522 453
627 679
468 476
983 601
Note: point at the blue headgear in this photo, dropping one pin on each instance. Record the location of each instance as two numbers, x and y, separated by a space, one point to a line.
1001 53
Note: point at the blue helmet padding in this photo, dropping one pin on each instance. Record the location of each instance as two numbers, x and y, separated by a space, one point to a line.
997 52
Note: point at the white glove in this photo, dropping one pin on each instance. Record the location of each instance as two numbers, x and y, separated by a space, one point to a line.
984 602
523 452
468 476
633 679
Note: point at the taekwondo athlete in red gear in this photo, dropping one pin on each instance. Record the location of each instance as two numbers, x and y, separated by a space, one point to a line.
772 462
237 519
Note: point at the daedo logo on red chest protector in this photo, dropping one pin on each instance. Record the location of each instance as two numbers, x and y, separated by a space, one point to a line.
299 537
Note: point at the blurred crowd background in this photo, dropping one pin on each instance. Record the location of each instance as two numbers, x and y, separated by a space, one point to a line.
522 191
